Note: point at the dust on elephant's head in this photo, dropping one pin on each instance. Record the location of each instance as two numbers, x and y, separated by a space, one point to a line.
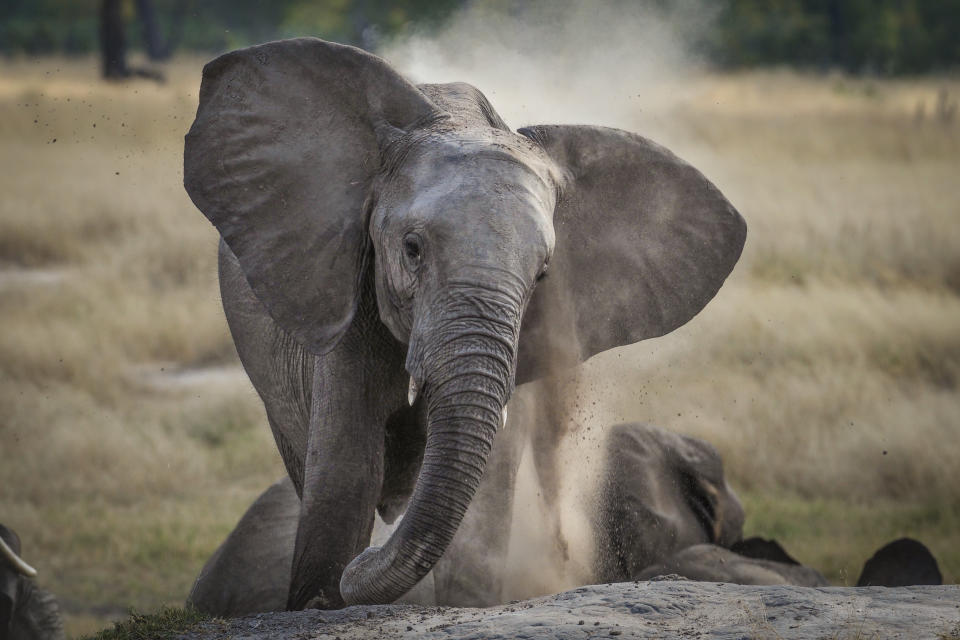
331 178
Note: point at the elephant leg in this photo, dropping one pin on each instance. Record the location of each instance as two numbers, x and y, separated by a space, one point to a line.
548 427
250 572
356 388
470 573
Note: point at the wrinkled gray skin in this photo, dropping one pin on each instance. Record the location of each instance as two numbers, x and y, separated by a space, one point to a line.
250 573
375 232
27 612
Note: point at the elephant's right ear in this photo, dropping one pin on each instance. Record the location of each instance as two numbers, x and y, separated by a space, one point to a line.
280 159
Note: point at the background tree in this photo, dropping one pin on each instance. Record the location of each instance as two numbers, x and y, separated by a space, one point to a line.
875 36
113 41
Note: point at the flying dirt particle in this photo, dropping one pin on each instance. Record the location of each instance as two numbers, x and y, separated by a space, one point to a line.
884 453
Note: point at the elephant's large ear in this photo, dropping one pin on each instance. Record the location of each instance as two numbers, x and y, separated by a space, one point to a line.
280 158
643 242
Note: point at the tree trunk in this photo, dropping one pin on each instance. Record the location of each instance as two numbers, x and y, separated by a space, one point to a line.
113 44
157 49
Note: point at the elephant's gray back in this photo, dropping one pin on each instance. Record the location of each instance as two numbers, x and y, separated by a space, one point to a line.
710 563
465 103
261 545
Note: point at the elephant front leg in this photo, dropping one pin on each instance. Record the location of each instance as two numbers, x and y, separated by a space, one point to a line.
343 475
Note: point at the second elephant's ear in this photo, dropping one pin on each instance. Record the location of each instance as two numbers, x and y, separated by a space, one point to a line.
643 242
280 159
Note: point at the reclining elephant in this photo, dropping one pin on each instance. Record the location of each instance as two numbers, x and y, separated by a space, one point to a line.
663 508
662 492
901 563
27 612
383 255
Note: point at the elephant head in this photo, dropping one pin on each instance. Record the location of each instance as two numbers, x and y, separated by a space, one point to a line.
333 180
26 611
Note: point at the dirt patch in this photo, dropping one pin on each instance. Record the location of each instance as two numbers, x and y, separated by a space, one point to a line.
656 609
171 376
16 278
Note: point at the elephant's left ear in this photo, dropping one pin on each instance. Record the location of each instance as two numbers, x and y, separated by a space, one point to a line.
643 242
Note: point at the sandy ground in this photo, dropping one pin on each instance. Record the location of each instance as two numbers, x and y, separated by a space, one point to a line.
665 608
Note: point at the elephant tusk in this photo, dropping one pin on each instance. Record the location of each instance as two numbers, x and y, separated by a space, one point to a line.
412 391
18 564
503 419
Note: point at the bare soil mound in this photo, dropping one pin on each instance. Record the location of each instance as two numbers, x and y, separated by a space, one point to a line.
658 609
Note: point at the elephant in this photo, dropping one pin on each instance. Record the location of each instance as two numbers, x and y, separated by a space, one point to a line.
394 260
901 563
662 508
661 492
27 612
713 563
250 571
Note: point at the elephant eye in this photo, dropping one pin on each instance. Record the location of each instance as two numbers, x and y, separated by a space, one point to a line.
412 249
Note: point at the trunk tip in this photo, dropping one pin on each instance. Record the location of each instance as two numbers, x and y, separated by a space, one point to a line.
354 581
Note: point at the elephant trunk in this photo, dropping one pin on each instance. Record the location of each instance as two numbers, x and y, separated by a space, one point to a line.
468 374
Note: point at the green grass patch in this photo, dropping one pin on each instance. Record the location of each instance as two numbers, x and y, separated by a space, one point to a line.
167 622
837 536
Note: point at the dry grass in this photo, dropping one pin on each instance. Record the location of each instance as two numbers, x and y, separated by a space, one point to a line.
826 371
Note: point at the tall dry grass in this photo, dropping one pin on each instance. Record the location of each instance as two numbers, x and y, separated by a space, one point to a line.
826 370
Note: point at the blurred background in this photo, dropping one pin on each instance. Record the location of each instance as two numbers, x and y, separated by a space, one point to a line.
826 371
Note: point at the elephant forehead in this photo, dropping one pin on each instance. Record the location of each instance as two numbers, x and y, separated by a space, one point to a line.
471 184
476 161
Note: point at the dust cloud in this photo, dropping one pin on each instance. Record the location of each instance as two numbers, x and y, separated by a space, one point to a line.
609 63
597 63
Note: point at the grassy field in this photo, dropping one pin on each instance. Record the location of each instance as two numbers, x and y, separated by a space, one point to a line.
827 371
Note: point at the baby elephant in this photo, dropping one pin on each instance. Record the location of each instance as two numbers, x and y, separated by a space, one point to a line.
26 611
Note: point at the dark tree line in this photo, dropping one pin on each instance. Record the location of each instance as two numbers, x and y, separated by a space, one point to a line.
881 36
113 38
